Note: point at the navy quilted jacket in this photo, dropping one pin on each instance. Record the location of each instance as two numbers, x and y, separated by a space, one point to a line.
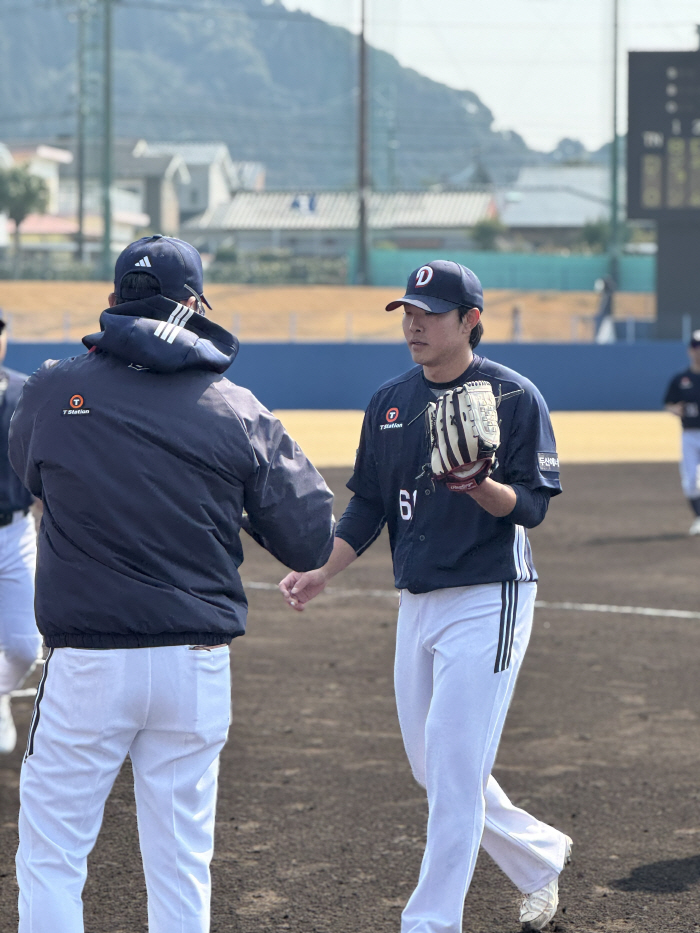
145 457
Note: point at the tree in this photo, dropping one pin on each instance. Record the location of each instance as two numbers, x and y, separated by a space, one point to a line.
21 194
486 232
596 235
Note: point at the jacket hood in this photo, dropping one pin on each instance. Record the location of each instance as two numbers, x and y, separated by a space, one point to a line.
164 336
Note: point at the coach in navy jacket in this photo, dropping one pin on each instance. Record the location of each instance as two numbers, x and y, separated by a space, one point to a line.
145 457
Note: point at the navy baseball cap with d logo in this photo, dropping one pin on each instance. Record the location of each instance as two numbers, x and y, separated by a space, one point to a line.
439 286
175 264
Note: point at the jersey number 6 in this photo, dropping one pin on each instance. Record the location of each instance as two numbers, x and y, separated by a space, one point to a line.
407 503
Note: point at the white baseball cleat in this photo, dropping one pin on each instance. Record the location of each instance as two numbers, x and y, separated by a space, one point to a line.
695 527
8 733
538 908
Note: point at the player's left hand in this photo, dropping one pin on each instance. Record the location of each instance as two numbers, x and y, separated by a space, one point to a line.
470 478
495 498
464 436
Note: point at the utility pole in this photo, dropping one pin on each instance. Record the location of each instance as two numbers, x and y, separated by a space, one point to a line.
614 245
107 143
363 272
80 133
392 145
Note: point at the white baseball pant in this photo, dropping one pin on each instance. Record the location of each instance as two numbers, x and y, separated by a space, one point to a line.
690 463
169 710
458 653
20 640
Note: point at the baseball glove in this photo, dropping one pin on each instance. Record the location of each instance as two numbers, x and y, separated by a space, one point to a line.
464 435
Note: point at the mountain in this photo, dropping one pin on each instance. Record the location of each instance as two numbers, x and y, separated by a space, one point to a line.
278 87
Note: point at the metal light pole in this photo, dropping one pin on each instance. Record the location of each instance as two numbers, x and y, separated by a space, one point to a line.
363 273
107 144
614 245
80 133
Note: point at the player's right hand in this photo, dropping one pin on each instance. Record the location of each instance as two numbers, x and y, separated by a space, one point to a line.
299 588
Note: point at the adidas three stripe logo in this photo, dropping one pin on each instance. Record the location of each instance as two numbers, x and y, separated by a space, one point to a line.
168 330
144 263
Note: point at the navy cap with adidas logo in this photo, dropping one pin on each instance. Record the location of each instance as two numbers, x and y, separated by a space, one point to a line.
174 263
439 286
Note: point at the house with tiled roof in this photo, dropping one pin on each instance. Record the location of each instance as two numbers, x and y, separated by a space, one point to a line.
325 223
549 205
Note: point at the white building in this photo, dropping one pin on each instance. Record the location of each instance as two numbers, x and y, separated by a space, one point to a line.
214 176
45 162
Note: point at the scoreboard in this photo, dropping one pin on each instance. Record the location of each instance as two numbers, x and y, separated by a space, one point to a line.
663 136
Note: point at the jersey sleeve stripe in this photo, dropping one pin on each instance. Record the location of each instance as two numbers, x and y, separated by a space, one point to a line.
372 538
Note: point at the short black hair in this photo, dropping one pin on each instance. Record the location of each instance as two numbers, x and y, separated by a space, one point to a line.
477 331
135 286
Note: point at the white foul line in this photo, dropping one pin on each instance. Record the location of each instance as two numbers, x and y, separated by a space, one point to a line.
26 692
621 610
539 604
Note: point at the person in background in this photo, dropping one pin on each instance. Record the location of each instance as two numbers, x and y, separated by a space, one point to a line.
683 399
20 641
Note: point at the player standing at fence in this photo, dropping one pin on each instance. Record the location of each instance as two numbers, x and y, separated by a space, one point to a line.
20 641
683 399
464 567
145 457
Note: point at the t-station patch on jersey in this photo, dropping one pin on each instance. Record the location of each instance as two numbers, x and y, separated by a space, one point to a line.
392 419
76 406
548 461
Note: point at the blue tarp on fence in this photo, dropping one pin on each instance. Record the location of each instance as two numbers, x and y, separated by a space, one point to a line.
539 271
572 377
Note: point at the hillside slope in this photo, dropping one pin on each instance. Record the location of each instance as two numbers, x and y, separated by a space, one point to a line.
277 86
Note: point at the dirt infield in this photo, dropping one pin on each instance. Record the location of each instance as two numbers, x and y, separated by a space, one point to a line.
320 825
52 311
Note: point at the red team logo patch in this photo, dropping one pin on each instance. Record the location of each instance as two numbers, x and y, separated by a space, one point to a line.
424 275
77 401
392 415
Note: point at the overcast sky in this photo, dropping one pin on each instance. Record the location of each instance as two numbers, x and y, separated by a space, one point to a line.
544 67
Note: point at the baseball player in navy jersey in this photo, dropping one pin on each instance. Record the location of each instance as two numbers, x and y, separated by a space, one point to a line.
683 399
464 568
145 456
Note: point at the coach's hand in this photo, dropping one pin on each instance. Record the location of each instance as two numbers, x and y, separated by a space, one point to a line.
299 588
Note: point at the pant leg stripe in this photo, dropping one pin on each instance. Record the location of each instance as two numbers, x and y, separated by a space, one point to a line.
509 626
36 714
513 617
502 629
